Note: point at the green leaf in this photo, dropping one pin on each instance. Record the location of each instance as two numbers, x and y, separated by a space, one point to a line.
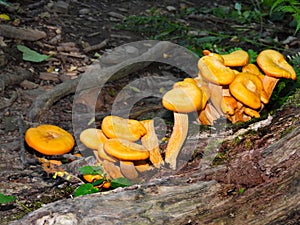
98 182
6 198
30 55
93 170
85 189
120 182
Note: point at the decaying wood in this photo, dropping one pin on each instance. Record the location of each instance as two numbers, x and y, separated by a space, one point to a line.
201 196
26 34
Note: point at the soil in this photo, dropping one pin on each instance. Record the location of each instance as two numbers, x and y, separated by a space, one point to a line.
71 27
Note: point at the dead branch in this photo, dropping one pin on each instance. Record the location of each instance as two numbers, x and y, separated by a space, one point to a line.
21 33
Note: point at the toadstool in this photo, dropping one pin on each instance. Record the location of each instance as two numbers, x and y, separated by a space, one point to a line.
49 139
213 70
125 150
274 66
118 127
185 97
247 88
92 138
236 58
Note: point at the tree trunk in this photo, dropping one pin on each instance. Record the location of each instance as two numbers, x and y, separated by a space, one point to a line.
258 185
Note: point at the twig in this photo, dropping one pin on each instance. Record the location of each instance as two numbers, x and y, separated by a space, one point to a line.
96 47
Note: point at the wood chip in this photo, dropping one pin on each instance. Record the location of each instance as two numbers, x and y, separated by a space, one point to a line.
21 33
48 76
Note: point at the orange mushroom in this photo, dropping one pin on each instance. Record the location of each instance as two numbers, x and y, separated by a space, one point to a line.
125 150
213 70
236 58
229 105
274 66
92 138
252 68
185 97
49 139
118 127
247 88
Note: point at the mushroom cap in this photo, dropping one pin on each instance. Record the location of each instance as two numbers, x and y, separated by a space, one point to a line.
118 127
49 139
252 68
185 97
92 138
236 58
247 88
213 70
103 155
274 64
125 150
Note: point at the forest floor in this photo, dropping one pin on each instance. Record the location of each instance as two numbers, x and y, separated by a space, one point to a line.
71 29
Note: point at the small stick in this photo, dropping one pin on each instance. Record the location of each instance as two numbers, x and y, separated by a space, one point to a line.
96 47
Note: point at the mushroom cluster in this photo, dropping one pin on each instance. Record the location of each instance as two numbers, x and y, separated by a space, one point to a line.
226 85
237 89
124 147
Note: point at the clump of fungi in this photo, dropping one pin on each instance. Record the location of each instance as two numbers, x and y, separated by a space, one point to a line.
117 150
226 85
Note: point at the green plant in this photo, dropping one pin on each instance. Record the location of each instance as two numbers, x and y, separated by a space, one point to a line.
96 185
4 199
155 25
289 7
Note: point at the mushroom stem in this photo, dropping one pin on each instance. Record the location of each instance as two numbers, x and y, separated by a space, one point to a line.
269 84
178 136
112 170
216 96
150 142
128 170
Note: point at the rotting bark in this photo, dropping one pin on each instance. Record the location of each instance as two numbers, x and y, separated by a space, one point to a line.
197 197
